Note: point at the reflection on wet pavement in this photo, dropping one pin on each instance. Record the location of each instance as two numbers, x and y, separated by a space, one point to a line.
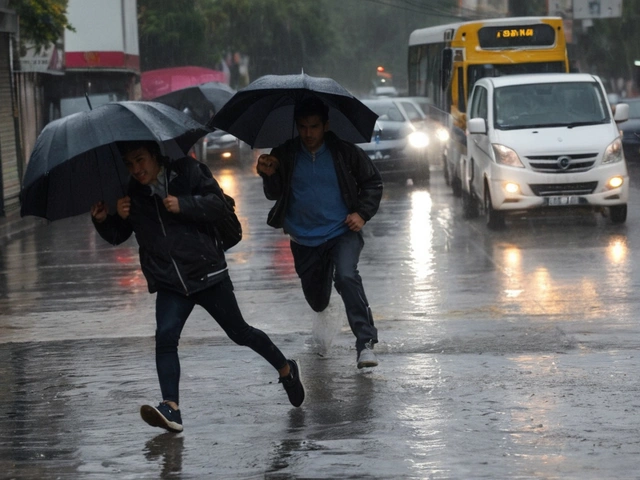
503 355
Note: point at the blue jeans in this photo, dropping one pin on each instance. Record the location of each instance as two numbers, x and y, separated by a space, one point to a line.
336 261
172 311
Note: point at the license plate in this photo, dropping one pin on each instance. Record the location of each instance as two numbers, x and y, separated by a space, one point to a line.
563 200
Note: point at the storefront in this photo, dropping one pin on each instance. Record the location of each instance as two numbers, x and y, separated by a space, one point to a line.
10 163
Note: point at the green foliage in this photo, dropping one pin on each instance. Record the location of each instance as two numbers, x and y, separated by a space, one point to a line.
42 22
371 34
518 8
278 36
610 46
171 33
342 39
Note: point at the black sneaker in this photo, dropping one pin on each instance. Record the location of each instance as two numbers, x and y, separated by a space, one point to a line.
292 384
162 416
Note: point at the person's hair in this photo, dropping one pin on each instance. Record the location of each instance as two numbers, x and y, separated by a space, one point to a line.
152 147
311 106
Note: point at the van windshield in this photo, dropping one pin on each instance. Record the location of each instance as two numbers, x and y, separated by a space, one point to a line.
570 104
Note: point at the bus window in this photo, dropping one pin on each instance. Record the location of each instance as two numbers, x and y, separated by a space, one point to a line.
447 60
476 72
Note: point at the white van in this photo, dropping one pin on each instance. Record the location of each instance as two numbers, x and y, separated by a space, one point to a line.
543 141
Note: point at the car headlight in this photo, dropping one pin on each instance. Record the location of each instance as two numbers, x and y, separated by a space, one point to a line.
418 139
506 156
613 153
442 134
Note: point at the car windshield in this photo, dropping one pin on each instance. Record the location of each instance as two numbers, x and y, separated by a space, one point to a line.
634 108
569 104
386 111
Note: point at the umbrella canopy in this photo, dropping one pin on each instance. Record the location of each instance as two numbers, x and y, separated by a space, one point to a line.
154 83
75 161
261 114
202 100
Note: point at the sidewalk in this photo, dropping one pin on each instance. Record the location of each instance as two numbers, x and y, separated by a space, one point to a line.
12 224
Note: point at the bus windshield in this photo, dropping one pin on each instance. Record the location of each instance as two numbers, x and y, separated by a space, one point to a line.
563 104
476 72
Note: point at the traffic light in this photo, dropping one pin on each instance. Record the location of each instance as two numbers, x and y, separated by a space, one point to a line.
381 72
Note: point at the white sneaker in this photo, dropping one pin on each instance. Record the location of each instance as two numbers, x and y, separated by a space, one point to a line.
366 357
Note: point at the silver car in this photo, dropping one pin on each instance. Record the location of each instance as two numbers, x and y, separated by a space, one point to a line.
399 145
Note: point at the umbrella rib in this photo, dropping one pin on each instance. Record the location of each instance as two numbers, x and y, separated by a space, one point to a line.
115 165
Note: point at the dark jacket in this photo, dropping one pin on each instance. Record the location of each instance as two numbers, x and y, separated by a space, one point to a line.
358 178
176 252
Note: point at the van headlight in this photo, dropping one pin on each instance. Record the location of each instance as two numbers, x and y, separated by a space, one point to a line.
506 156
615 182
418 139
613 153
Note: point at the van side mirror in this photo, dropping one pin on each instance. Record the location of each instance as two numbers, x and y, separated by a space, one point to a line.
621 113
477 126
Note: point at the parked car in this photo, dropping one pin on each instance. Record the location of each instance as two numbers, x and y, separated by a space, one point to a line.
385 91
399 145
222 147
543 141
631 132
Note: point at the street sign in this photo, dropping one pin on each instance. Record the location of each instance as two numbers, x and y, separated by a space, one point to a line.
584 9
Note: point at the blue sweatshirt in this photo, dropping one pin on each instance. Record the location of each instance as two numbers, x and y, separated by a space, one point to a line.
316 211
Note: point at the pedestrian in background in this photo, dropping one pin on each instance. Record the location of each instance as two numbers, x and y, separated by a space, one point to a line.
168 207
325 189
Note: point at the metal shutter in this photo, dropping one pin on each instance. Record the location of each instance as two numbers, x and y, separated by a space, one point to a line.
10 187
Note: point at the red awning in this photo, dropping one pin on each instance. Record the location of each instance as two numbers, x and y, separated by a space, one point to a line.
165 80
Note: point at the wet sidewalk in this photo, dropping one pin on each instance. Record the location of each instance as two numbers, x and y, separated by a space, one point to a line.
13 224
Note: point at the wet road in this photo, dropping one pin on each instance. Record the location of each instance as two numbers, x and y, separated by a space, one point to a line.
503 354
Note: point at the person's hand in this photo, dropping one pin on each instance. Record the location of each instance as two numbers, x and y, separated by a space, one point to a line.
123 207
99 212
172 204
354 222
267 164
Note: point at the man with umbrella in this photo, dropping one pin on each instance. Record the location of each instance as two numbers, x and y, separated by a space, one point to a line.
168 206
325 189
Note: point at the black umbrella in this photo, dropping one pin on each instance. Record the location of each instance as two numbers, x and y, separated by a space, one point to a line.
201 100
75 161
261 114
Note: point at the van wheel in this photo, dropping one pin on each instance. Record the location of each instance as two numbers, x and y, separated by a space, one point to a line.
495 218
618 213
456 186
470 207
445 169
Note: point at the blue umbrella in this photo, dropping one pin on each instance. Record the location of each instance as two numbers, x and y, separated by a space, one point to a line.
75 161
261 114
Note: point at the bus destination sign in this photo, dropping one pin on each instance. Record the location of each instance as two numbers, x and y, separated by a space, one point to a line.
539 35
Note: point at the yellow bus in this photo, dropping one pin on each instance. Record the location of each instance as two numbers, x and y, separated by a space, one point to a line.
445 61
